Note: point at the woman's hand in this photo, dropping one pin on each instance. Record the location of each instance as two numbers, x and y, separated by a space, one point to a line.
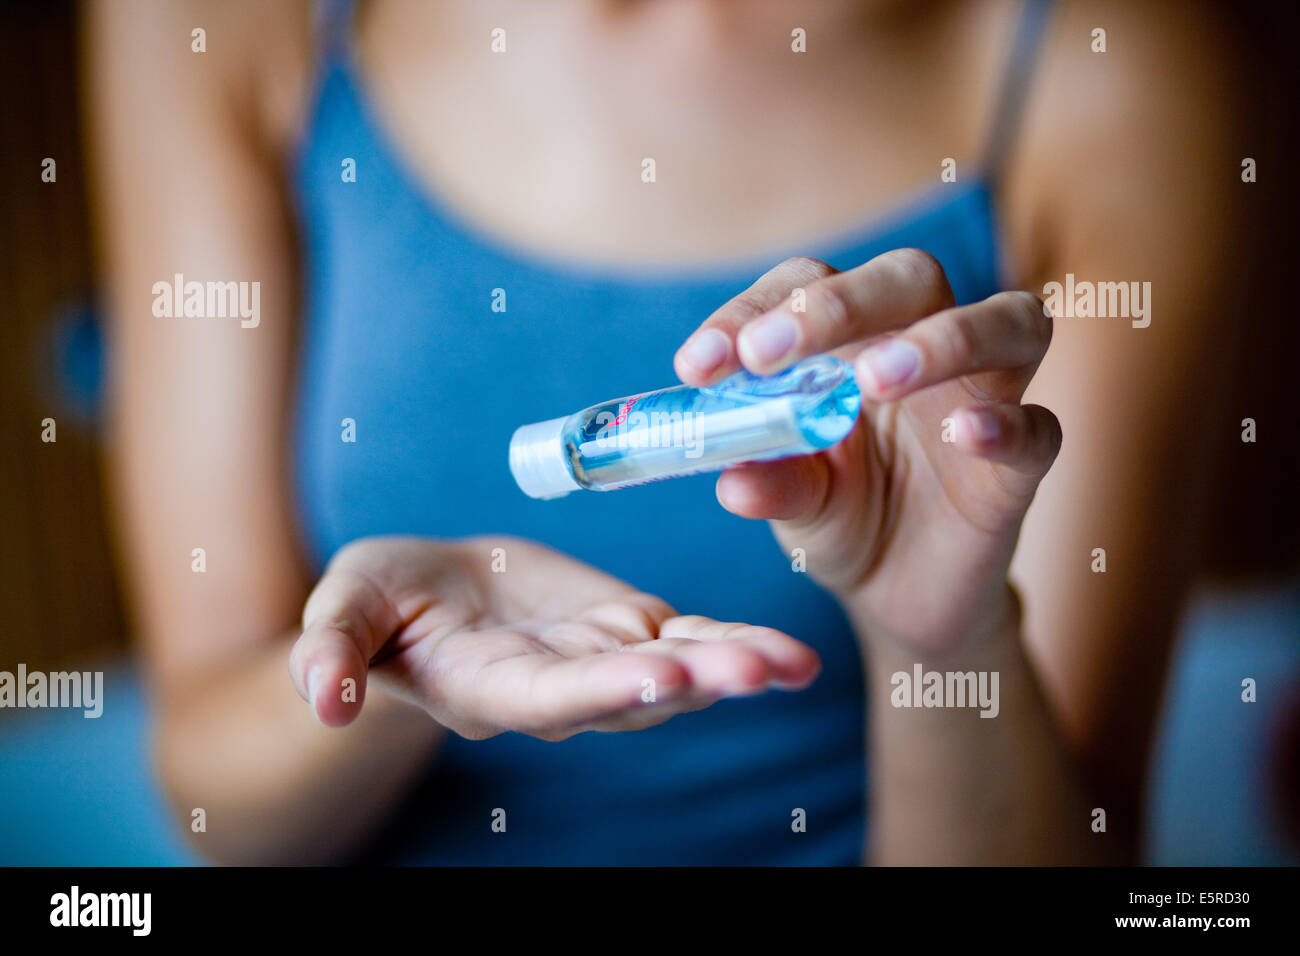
543 644
912 519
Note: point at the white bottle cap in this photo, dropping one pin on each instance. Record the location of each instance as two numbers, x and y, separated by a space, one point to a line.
539 462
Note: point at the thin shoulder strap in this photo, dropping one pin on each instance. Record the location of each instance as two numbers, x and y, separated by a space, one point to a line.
1035 16
333 22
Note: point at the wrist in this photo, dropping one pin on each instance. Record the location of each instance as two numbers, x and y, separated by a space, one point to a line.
982 631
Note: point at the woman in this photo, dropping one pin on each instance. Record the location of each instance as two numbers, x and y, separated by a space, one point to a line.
490 214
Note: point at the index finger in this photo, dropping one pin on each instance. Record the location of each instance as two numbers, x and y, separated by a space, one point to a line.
886 293
710 352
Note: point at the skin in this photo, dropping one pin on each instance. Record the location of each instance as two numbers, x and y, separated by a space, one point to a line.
557 649
919 538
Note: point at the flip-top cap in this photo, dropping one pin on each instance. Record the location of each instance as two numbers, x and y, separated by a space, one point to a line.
539 462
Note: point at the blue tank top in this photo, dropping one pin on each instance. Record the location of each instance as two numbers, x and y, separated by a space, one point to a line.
400 336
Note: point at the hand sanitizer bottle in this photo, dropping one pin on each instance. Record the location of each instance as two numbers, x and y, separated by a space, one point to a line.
684 430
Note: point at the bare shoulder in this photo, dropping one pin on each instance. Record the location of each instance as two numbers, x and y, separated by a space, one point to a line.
248 62
1132 119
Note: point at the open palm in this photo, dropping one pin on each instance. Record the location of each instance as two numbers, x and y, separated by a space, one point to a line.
497 634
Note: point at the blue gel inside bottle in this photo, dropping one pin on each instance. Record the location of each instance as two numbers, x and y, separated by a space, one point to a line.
685 431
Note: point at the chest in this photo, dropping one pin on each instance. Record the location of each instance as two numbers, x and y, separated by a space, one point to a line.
610 149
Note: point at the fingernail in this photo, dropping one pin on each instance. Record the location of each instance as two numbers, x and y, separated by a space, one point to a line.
706 351
313 686
984 424
769 338
891 364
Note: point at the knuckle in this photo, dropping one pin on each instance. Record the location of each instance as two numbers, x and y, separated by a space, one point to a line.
748 305
804 268
329 601
961 338
829 303
358 590
920 267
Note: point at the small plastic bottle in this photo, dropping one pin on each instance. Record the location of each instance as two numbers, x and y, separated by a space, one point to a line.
685 431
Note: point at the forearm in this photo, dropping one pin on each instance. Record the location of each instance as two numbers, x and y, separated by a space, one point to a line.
275 785
949 786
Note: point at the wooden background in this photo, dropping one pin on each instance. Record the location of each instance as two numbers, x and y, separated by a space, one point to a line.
59 603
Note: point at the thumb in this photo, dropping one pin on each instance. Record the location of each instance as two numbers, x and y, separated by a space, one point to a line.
792 491
345 622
